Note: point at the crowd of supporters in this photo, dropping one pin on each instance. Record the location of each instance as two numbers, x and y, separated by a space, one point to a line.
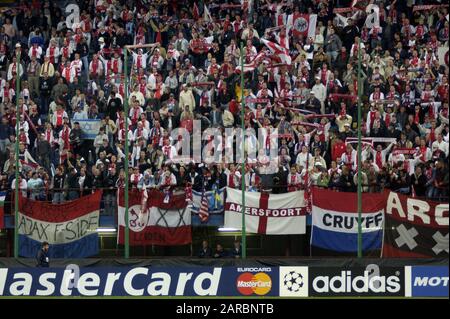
189 73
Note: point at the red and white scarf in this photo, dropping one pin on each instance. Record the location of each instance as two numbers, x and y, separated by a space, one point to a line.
52 54
139 61
378 159
34 51
59 118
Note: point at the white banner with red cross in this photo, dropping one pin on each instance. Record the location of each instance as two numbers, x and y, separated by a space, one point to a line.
270 214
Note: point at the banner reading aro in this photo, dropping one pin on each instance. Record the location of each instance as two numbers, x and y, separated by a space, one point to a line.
415 228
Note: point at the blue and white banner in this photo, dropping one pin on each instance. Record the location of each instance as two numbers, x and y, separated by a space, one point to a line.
426 281
69 228
90 128
216 199
335 223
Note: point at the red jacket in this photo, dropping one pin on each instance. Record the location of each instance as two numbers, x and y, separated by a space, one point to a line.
234 107
338 150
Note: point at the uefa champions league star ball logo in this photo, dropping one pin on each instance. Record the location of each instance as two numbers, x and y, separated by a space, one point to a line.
293 281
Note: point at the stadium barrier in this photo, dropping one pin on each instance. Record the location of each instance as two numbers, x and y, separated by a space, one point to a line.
313 278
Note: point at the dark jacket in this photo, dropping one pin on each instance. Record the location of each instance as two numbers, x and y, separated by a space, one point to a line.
45 87
58 182
97 181
87 185
75 137
72 181
205 253
220 254
5 131
83 50
236 253
419 184
343 187
43 148
313 104
109 182
42 259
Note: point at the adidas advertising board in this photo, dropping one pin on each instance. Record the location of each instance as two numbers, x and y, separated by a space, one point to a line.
357 281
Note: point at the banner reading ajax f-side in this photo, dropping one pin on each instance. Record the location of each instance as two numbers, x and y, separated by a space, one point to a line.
70 228
140 281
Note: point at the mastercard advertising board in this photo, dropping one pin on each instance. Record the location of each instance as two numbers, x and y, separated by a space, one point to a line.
251 281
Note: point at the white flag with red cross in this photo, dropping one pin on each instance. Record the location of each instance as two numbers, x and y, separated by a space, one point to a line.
270 214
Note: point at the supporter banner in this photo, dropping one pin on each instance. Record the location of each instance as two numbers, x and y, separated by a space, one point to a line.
278 51
405 151
303 24
313 116
426 281
69 228
343 10
89 128
335 223
364 141
202 83
429 7
415 228
2 212
370 140
336 96
155 221
372 280
271 214
316 125
143 281
215 200
259 101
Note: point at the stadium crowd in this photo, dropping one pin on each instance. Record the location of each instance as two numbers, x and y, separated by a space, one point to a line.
189 73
